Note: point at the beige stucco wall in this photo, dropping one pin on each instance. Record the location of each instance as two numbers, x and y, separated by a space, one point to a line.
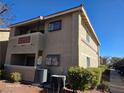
87 49
63 42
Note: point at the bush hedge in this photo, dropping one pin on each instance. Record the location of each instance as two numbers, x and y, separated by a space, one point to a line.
2 74
15 76
83 79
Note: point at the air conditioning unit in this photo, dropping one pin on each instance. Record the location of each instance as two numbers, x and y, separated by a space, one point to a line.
41 75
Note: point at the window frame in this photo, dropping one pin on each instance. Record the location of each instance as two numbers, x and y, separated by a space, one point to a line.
53 22
50 58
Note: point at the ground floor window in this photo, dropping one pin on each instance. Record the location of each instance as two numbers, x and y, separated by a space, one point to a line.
23 59
53 59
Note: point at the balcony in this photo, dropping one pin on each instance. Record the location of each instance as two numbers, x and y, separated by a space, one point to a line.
28 43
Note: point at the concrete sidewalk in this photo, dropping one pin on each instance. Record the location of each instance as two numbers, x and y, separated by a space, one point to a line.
116 82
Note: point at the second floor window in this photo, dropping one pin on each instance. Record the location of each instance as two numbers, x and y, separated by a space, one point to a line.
53 26
87 38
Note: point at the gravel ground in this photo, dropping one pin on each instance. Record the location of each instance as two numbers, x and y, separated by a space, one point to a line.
18 88
6 87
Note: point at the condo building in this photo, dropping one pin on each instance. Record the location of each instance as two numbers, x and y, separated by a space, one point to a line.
55 42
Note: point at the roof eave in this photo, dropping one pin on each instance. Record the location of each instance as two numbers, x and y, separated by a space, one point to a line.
79 8
27 21
63 12
89 23
47 17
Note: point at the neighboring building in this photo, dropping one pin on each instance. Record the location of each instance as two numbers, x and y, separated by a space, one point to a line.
56 42
4 37
105 60
4 34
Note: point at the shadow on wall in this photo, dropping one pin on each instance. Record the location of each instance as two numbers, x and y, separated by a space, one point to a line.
3 50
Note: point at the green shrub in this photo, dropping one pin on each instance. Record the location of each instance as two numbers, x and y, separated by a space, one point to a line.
83 79
97 72
15 76
80 78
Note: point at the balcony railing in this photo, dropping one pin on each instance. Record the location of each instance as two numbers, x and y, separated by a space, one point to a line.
24 40
28 42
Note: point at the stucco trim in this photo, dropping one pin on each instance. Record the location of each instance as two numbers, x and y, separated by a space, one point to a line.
89 45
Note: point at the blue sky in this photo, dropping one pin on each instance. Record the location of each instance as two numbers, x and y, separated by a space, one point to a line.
106 16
